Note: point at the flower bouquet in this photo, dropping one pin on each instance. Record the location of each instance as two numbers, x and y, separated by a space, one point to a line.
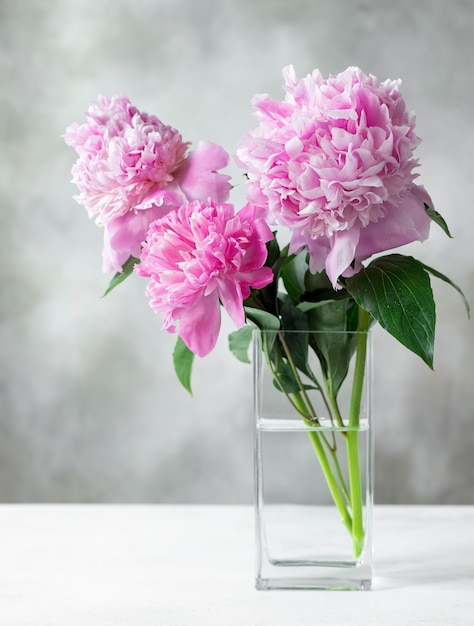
332 166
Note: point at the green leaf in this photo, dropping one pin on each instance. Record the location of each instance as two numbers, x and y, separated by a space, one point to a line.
396 291
306 307
285 379
321 296
119 277
291 316
239 342
262 319
450 282
266 322
273 251
293 275
329 316
183 363
314 283
265 299
437 219
297 342
333 345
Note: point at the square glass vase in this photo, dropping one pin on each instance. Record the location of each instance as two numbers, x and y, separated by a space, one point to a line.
313 483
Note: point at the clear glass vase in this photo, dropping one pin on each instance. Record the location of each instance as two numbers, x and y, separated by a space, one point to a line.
313 476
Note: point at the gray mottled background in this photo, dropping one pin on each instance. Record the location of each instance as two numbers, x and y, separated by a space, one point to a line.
90 408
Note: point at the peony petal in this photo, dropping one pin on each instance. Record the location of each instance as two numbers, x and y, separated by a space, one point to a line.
231 297
402 224
256 252
198 176
342 253
318 249
171 195
257 278
112 260
200 324
124 235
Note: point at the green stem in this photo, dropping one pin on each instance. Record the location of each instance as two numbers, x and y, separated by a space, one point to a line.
308 412
331 480
353 434
305 407
300 400
280 384
332 449
297 377
335 409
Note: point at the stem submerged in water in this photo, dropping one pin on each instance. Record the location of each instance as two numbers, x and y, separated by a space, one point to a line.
348 498
353 435
338 492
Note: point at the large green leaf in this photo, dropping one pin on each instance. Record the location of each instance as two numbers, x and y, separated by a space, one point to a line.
396 291
183 363
119 277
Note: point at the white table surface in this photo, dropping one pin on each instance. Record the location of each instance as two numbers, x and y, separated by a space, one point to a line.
91 565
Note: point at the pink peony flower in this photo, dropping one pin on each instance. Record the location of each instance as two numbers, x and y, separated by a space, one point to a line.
198 255
334 163
132 169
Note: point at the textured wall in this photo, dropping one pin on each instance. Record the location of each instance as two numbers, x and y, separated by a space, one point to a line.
90 408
